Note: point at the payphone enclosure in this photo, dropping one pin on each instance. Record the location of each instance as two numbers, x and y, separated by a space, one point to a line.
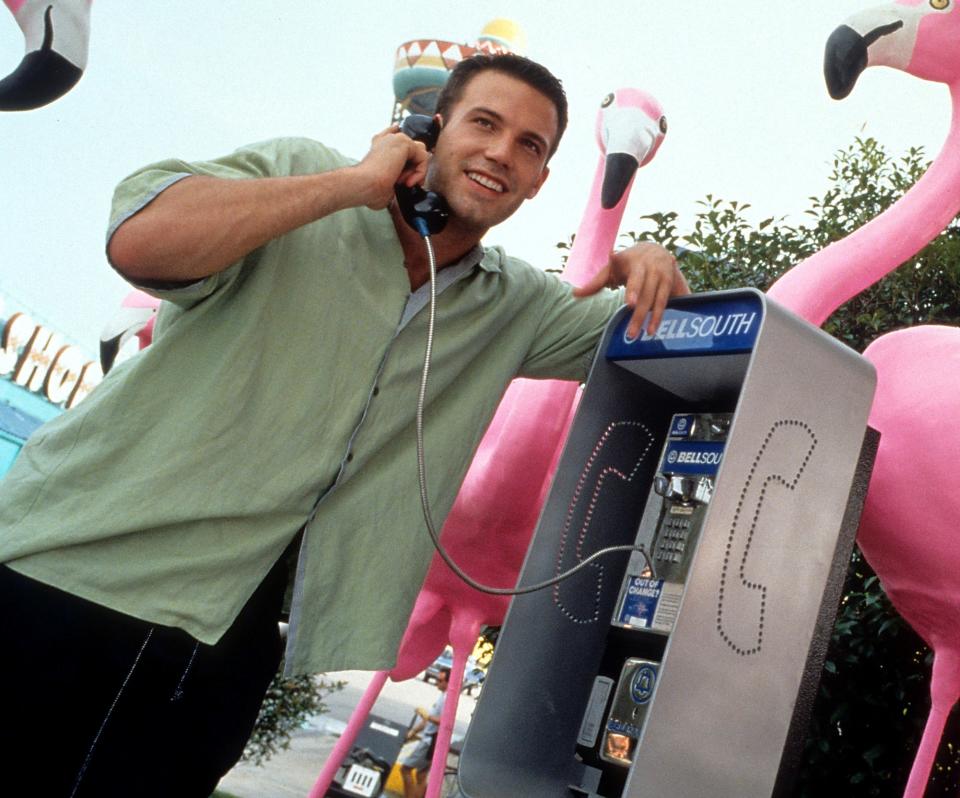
689 671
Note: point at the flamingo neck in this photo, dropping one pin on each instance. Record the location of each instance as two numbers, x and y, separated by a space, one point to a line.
816 287
596 235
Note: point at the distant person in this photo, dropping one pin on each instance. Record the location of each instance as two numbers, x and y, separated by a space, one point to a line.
415 783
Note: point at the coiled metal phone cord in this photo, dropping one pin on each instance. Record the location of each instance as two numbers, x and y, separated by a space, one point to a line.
421 473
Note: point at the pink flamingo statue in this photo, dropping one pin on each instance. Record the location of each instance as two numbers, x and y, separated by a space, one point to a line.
135 318
491 522
908 528
56 33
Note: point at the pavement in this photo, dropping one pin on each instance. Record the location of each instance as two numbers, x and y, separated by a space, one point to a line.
291 773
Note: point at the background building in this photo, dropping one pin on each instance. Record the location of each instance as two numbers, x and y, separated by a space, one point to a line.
40 376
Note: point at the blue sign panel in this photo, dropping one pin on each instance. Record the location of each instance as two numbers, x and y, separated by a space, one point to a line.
682 425
640 602
694 327
693 457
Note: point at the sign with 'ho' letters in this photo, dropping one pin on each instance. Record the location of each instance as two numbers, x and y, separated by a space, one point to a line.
37 359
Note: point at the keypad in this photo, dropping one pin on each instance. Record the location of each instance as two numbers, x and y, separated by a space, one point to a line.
673 538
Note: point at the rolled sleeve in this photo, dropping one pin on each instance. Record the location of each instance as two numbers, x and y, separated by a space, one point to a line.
569 331
273 158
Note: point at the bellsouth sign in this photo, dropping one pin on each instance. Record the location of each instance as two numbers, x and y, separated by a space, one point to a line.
37 359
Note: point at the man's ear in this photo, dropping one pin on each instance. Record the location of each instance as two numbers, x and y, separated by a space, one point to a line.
438 123
544 174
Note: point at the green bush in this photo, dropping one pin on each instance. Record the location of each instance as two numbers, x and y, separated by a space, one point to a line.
873 697
288 703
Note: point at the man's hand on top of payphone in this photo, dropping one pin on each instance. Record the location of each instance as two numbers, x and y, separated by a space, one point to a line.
651 276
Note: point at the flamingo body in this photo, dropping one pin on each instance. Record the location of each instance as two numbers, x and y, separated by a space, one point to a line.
908 530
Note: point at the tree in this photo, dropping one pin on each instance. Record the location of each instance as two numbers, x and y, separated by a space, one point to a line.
288 703
874 697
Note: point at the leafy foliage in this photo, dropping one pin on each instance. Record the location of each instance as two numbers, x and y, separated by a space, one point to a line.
724 250
873 700
287 704
874 695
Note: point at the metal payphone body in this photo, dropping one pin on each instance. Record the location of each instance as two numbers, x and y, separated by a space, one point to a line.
733 446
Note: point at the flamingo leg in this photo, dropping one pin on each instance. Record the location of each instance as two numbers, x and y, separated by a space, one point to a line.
462 646
349 736
944 692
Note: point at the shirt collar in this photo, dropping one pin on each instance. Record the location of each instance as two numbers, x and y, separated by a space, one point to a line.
488 258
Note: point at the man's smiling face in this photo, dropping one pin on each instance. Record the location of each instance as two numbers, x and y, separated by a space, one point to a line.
492 153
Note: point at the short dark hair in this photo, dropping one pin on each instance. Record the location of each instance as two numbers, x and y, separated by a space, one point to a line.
516 66
445 672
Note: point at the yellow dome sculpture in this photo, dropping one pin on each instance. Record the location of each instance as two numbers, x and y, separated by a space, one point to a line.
506 33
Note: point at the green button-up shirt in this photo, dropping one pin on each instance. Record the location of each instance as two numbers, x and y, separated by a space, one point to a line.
280 390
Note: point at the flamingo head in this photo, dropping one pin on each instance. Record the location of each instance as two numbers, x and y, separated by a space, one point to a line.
920 37
630 128
135 318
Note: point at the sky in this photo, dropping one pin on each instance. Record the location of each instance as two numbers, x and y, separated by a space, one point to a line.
740 82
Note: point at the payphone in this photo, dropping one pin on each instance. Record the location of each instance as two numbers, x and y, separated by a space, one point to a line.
653 583
682 487
731 449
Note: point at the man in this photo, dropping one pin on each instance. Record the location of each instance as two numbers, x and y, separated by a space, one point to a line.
413 769
144 532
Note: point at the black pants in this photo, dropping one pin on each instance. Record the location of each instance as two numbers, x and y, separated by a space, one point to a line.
97 704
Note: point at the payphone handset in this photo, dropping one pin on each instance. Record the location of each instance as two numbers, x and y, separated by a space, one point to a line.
425 211
672 520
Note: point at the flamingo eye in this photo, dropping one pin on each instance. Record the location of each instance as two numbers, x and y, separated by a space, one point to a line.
663 125
607 101
939 5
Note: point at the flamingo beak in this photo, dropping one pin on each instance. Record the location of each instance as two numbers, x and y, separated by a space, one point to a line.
619 169
57 38
108 352
42 77
846 56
